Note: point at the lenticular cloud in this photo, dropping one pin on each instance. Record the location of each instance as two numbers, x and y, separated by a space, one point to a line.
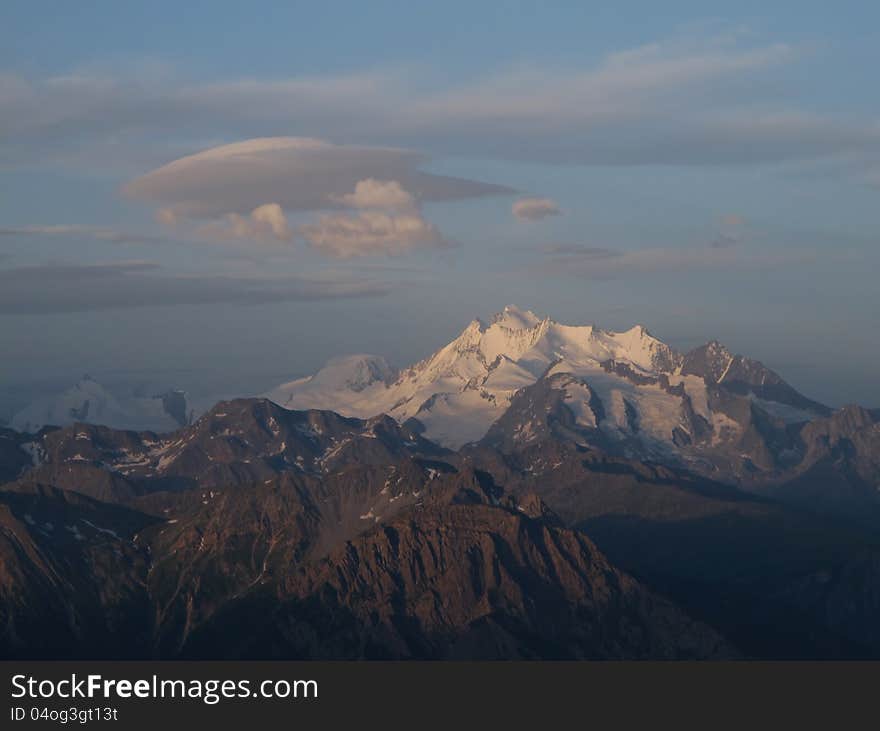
298 174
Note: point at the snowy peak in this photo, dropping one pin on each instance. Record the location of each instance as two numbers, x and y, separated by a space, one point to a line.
83 401
513 318
354 372
630 382
89 402
512 334
638 347
516 333
460 390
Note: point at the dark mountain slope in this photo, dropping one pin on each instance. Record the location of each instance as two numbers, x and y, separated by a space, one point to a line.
14 459
467 581
285 569
255 511
71 579
840 469
723 554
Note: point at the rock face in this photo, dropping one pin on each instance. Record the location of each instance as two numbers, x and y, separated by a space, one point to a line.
716 364
265 571
725 556
237 442
465 581
360 538
71 579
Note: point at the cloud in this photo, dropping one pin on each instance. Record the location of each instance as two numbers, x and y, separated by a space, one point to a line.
225 189
62 288
298 174
582 252
534 209
389 223
616 88
690 100
372 193
101 233
371 233
605 263
265 223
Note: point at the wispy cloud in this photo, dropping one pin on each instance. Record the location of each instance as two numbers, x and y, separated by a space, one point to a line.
60 288
580 251
591 262
687 101
100 233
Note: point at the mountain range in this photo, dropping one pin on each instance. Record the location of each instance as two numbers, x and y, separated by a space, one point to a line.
519 379
531 490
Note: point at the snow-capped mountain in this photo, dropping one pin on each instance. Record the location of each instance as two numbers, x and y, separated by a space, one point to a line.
91 403
113 540
627 390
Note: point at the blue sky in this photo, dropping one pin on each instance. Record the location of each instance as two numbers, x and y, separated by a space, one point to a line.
709 170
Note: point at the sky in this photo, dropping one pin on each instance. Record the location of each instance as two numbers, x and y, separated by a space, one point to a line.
221 196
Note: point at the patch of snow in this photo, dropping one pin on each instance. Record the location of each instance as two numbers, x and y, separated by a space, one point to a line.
106 531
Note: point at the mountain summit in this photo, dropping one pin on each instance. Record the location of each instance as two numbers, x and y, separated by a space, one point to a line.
627 391
89 402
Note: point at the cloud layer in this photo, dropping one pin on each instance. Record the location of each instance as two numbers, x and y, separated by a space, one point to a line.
590 262
686 101
50 289
101 233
